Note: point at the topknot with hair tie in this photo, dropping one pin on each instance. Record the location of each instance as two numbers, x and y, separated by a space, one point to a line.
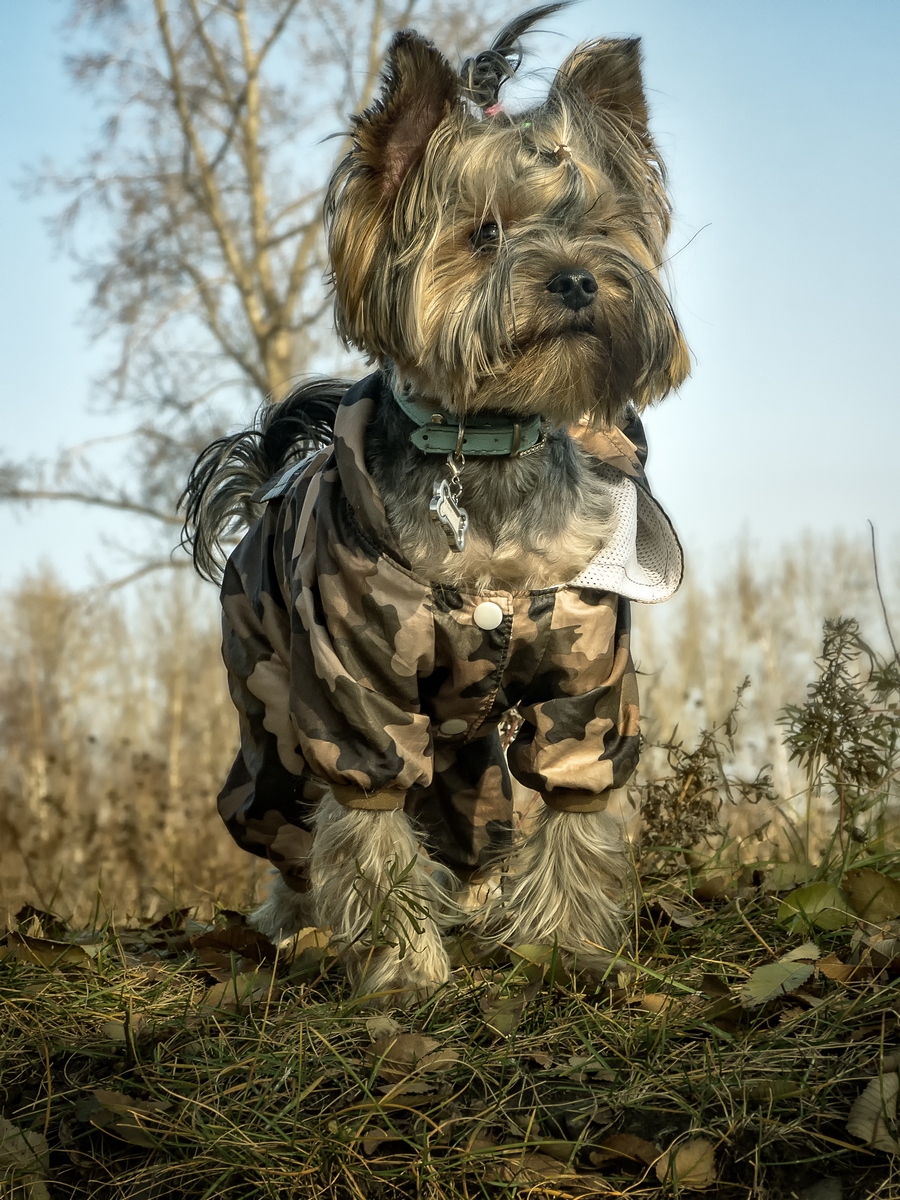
483 76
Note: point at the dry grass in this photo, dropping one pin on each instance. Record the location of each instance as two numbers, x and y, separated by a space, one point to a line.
148 1080
182 1058
118 731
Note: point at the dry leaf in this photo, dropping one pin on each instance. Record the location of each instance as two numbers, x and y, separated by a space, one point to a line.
678 916
822 905
875 896
502 1015
218 945
808 952
26 1152
241 990
692 1164
715 887
542 1059
536 955
655 1002
773 980
51 954
119 1114
782 876
791 1014
381 1027
116 1030
624 1145
398 1055
407 1087
373 1139
713 987
874 1114
832 968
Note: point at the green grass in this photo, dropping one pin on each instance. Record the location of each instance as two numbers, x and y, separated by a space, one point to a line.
285 1096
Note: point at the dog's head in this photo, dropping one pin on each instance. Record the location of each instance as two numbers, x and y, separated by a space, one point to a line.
505 261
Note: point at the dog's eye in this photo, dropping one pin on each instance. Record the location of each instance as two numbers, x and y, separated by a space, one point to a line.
485 236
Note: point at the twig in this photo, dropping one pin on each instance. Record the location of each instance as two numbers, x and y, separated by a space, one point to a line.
887 623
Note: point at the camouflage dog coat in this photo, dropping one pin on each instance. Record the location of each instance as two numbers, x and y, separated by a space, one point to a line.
352 673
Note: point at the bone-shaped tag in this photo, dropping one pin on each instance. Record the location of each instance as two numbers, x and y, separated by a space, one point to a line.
450 515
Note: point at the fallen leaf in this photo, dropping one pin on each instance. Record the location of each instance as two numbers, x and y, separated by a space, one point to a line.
808 952
51 954
541 1059
773 980
875 896
791 1014
714 887
240 990
561 1150
782 876
655 1002
407 1087
624 1145
832 968
713 987
534 954
822 905
692 1164
36 922
218 945
116 1031
121 1115
381 1027
398 1055
874 1114
27 1153
677 915
502 1015
311 938
373 1139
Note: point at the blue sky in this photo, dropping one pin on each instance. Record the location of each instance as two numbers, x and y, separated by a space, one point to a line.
779 122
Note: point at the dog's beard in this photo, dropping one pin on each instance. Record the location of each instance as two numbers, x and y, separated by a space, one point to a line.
504 342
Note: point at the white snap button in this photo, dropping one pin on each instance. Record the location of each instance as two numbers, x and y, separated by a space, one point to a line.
488 615
453 726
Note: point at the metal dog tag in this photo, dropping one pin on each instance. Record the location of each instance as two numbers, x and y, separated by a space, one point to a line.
449 513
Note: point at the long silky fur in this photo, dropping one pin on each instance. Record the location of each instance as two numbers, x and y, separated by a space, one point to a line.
284 912
569 884
217 498
367 862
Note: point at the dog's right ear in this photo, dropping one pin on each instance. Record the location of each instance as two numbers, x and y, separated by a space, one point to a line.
418 89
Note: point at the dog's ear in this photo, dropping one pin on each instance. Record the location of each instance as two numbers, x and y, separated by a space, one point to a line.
605 75
418 89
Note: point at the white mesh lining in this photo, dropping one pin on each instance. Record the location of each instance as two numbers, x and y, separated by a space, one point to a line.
641 558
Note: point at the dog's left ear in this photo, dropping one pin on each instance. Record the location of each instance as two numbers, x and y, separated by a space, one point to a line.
605 75
418 89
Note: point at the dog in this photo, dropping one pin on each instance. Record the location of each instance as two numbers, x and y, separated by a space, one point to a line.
434 589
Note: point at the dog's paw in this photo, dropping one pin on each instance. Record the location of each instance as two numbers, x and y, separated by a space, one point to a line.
383 979
283 913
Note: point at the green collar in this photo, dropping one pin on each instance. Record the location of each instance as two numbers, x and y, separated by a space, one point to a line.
481 434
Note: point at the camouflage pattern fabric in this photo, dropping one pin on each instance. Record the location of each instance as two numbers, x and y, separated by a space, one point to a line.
344 666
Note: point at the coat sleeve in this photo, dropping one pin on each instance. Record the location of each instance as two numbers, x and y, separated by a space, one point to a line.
580 734
361 635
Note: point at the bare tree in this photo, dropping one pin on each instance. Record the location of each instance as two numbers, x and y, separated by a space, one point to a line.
196 216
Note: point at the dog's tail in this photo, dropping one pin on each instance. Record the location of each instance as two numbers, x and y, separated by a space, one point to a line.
217 500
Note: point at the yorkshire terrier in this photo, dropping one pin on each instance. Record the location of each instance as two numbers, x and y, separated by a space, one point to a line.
434 589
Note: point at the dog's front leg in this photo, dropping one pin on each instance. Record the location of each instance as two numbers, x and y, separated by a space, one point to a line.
373 888
569 885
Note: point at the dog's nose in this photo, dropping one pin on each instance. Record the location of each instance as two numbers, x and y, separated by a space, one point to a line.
574 288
